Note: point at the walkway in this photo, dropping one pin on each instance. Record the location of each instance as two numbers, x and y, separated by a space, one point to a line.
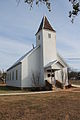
25 93
77 89
77 86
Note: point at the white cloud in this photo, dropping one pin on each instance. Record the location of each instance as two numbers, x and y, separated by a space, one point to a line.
11 50
70 47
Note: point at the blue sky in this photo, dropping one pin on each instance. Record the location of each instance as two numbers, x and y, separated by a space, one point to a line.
18 25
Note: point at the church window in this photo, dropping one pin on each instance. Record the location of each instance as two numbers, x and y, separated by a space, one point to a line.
48 75
49 35
13 75
16 74
38 37
52 75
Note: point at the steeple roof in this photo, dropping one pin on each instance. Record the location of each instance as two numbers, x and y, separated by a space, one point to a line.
45 25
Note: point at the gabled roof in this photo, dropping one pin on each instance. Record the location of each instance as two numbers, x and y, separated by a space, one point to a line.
55 62
45 25
50 64
20 60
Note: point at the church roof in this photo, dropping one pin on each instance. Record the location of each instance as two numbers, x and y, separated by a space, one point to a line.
55 62
20 60
51 63
45 25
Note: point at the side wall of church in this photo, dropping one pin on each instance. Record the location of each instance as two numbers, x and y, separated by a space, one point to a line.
31 72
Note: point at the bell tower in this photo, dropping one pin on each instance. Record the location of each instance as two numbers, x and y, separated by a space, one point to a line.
46 39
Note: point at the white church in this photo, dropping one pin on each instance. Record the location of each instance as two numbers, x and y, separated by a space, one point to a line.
42 63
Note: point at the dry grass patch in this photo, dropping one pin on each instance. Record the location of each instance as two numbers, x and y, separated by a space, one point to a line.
51 106
6 89
76 82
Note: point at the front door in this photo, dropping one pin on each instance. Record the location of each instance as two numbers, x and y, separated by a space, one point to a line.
51 76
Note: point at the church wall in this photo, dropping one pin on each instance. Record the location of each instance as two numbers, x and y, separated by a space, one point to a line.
11 76
31 69
49 46
39 42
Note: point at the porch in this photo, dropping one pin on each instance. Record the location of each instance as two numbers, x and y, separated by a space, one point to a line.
55 74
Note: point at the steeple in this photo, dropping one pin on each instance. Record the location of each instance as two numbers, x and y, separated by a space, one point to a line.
46 39
45 25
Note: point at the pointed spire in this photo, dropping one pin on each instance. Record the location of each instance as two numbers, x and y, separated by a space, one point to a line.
45 25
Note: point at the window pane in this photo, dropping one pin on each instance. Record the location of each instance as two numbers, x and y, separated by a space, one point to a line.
52 75
49 35
13 75
38 37
48 75
16 74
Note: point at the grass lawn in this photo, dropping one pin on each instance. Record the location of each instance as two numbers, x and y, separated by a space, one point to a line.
63 105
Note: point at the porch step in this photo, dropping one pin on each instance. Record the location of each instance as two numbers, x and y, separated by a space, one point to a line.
48 85
54 87
57 86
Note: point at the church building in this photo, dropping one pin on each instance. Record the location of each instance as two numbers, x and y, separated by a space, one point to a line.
42 63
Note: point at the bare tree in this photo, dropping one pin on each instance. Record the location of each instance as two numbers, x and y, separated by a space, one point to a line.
75 6
75 9
2 76
46 2
36 79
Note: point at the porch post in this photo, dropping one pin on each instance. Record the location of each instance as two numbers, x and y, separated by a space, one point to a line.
54 79
51 75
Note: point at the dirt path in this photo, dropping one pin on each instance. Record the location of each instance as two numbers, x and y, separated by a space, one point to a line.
77 86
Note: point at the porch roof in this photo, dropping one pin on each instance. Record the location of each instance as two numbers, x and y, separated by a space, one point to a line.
54 65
